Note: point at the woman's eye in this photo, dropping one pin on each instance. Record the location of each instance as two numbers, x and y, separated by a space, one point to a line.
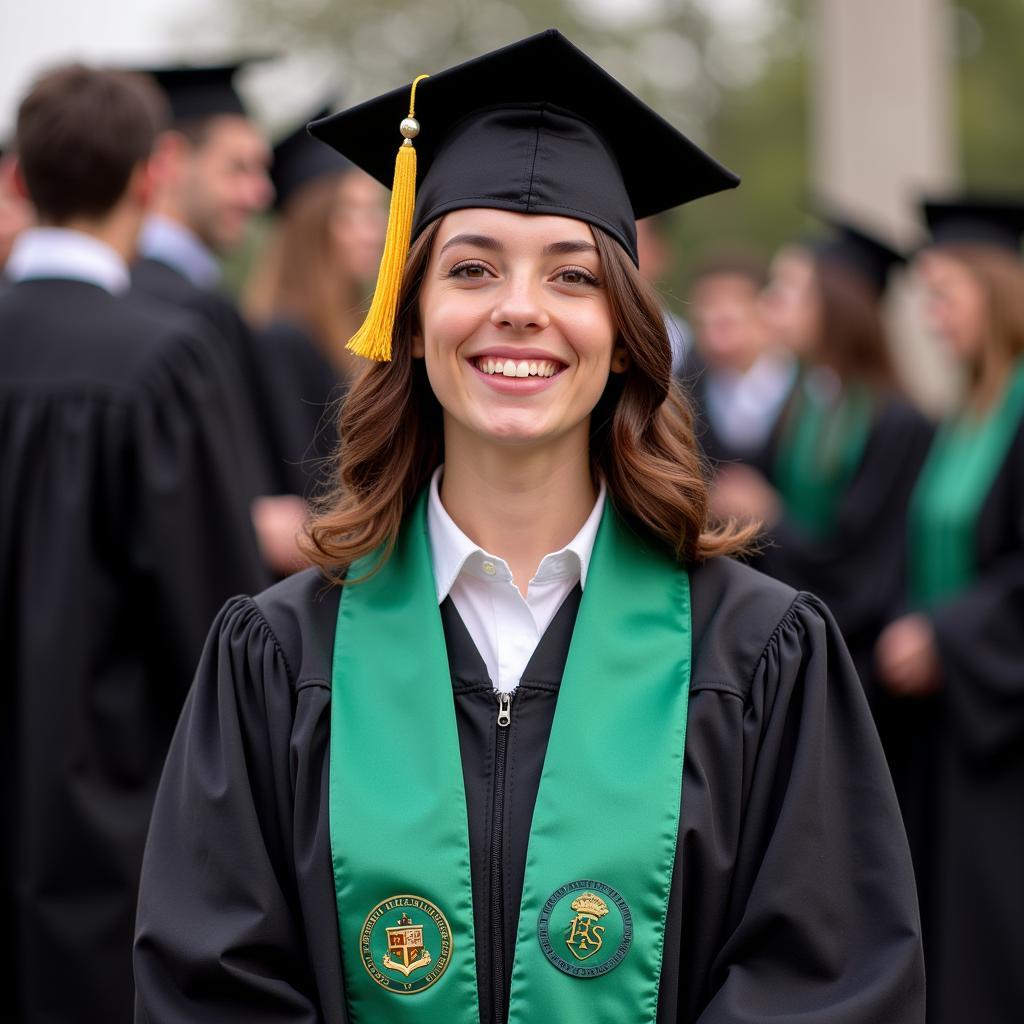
576 275
470 271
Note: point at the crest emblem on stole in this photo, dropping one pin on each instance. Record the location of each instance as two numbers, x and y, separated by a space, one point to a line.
406 944
585 928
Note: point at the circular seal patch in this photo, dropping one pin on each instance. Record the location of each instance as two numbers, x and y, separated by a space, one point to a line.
405 944
585 928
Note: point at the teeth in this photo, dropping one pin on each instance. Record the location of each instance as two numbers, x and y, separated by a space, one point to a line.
517 368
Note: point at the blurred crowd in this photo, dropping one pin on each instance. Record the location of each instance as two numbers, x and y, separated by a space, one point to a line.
162 439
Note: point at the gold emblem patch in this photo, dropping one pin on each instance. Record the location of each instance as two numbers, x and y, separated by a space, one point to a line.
405 944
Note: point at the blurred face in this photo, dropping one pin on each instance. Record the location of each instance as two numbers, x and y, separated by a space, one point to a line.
791 304
226 181
727 321
359 220
516 327
15 210
955 305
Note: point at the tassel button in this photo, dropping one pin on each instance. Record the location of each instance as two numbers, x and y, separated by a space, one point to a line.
409 128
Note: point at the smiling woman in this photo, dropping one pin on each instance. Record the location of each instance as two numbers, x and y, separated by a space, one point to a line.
527 747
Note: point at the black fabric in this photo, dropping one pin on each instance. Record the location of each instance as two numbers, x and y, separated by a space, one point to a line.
195 93
120 537
232 339
859 568
958 763
304 390
693 377
535 127
867 255
792 896
978 220
300 159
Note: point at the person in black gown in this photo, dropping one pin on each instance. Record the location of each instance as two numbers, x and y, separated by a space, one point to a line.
119 539
214 179
738 376
681 735
304 298
954 664
836 479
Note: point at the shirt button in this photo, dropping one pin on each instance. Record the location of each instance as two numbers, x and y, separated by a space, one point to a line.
490 568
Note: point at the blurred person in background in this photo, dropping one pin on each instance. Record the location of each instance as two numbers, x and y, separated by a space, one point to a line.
955 663
213 180
657 257
16 212
738 378
836 483
119 538
305 299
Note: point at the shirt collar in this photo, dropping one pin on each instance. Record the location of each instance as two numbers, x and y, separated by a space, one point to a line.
66 254
172 243
453 553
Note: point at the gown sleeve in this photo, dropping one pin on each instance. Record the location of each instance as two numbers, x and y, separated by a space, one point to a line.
218 935
824 922
980 632
190 532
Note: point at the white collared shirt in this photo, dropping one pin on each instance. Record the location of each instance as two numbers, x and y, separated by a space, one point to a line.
504 626
172 243
744 406
65 254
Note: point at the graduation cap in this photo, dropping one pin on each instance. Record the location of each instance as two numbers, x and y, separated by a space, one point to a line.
535 127
976 219
870 258
195 93
300 159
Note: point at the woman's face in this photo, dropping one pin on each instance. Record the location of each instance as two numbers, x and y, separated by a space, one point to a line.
358 223
954 303
516 327
791 303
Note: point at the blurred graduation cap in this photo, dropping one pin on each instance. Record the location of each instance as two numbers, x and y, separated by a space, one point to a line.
984 220
535 127
197 92
860 251
300 159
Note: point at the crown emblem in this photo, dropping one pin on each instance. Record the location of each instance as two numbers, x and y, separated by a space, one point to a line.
591 904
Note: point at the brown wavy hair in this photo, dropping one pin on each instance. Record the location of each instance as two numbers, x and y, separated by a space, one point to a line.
641 436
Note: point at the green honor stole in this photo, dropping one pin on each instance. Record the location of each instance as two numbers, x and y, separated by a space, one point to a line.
957 475
603 837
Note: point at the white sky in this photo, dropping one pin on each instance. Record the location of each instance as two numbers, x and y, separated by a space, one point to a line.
35 34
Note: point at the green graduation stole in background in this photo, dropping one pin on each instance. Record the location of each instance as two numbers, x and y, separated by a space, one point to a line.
603 838
957 475
820 450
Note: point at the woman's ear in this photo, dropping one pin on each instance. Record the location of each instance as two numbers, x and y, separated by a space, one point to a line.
418 346
620 359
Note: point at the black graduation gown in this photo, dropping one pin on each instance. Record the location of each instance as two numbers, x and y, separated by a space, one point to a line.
304 389
119 540
858 568
792 896
958 762
249 398
717 450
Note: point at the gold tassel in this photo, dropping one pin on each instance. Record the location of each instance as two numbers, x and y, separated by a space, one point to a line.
373 339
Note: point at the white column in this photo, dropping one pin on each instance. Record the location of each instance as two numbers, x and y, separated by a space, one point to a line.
883 133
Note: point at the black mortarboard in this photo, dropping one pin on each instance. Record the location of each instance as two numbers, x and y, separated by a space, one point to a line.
535 127
300 159
865 254
976 219
198 92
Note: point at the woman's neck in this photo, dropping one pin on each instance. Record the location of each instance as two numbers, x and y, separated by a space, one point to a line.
519 504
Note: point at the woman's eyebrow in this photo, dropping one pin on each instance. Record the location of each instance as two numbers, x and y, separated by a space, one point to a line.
480 241
569 248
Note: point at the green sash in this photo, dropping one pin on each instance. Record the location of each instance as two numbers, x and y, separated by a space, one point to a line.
820 450
957 475
603 837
